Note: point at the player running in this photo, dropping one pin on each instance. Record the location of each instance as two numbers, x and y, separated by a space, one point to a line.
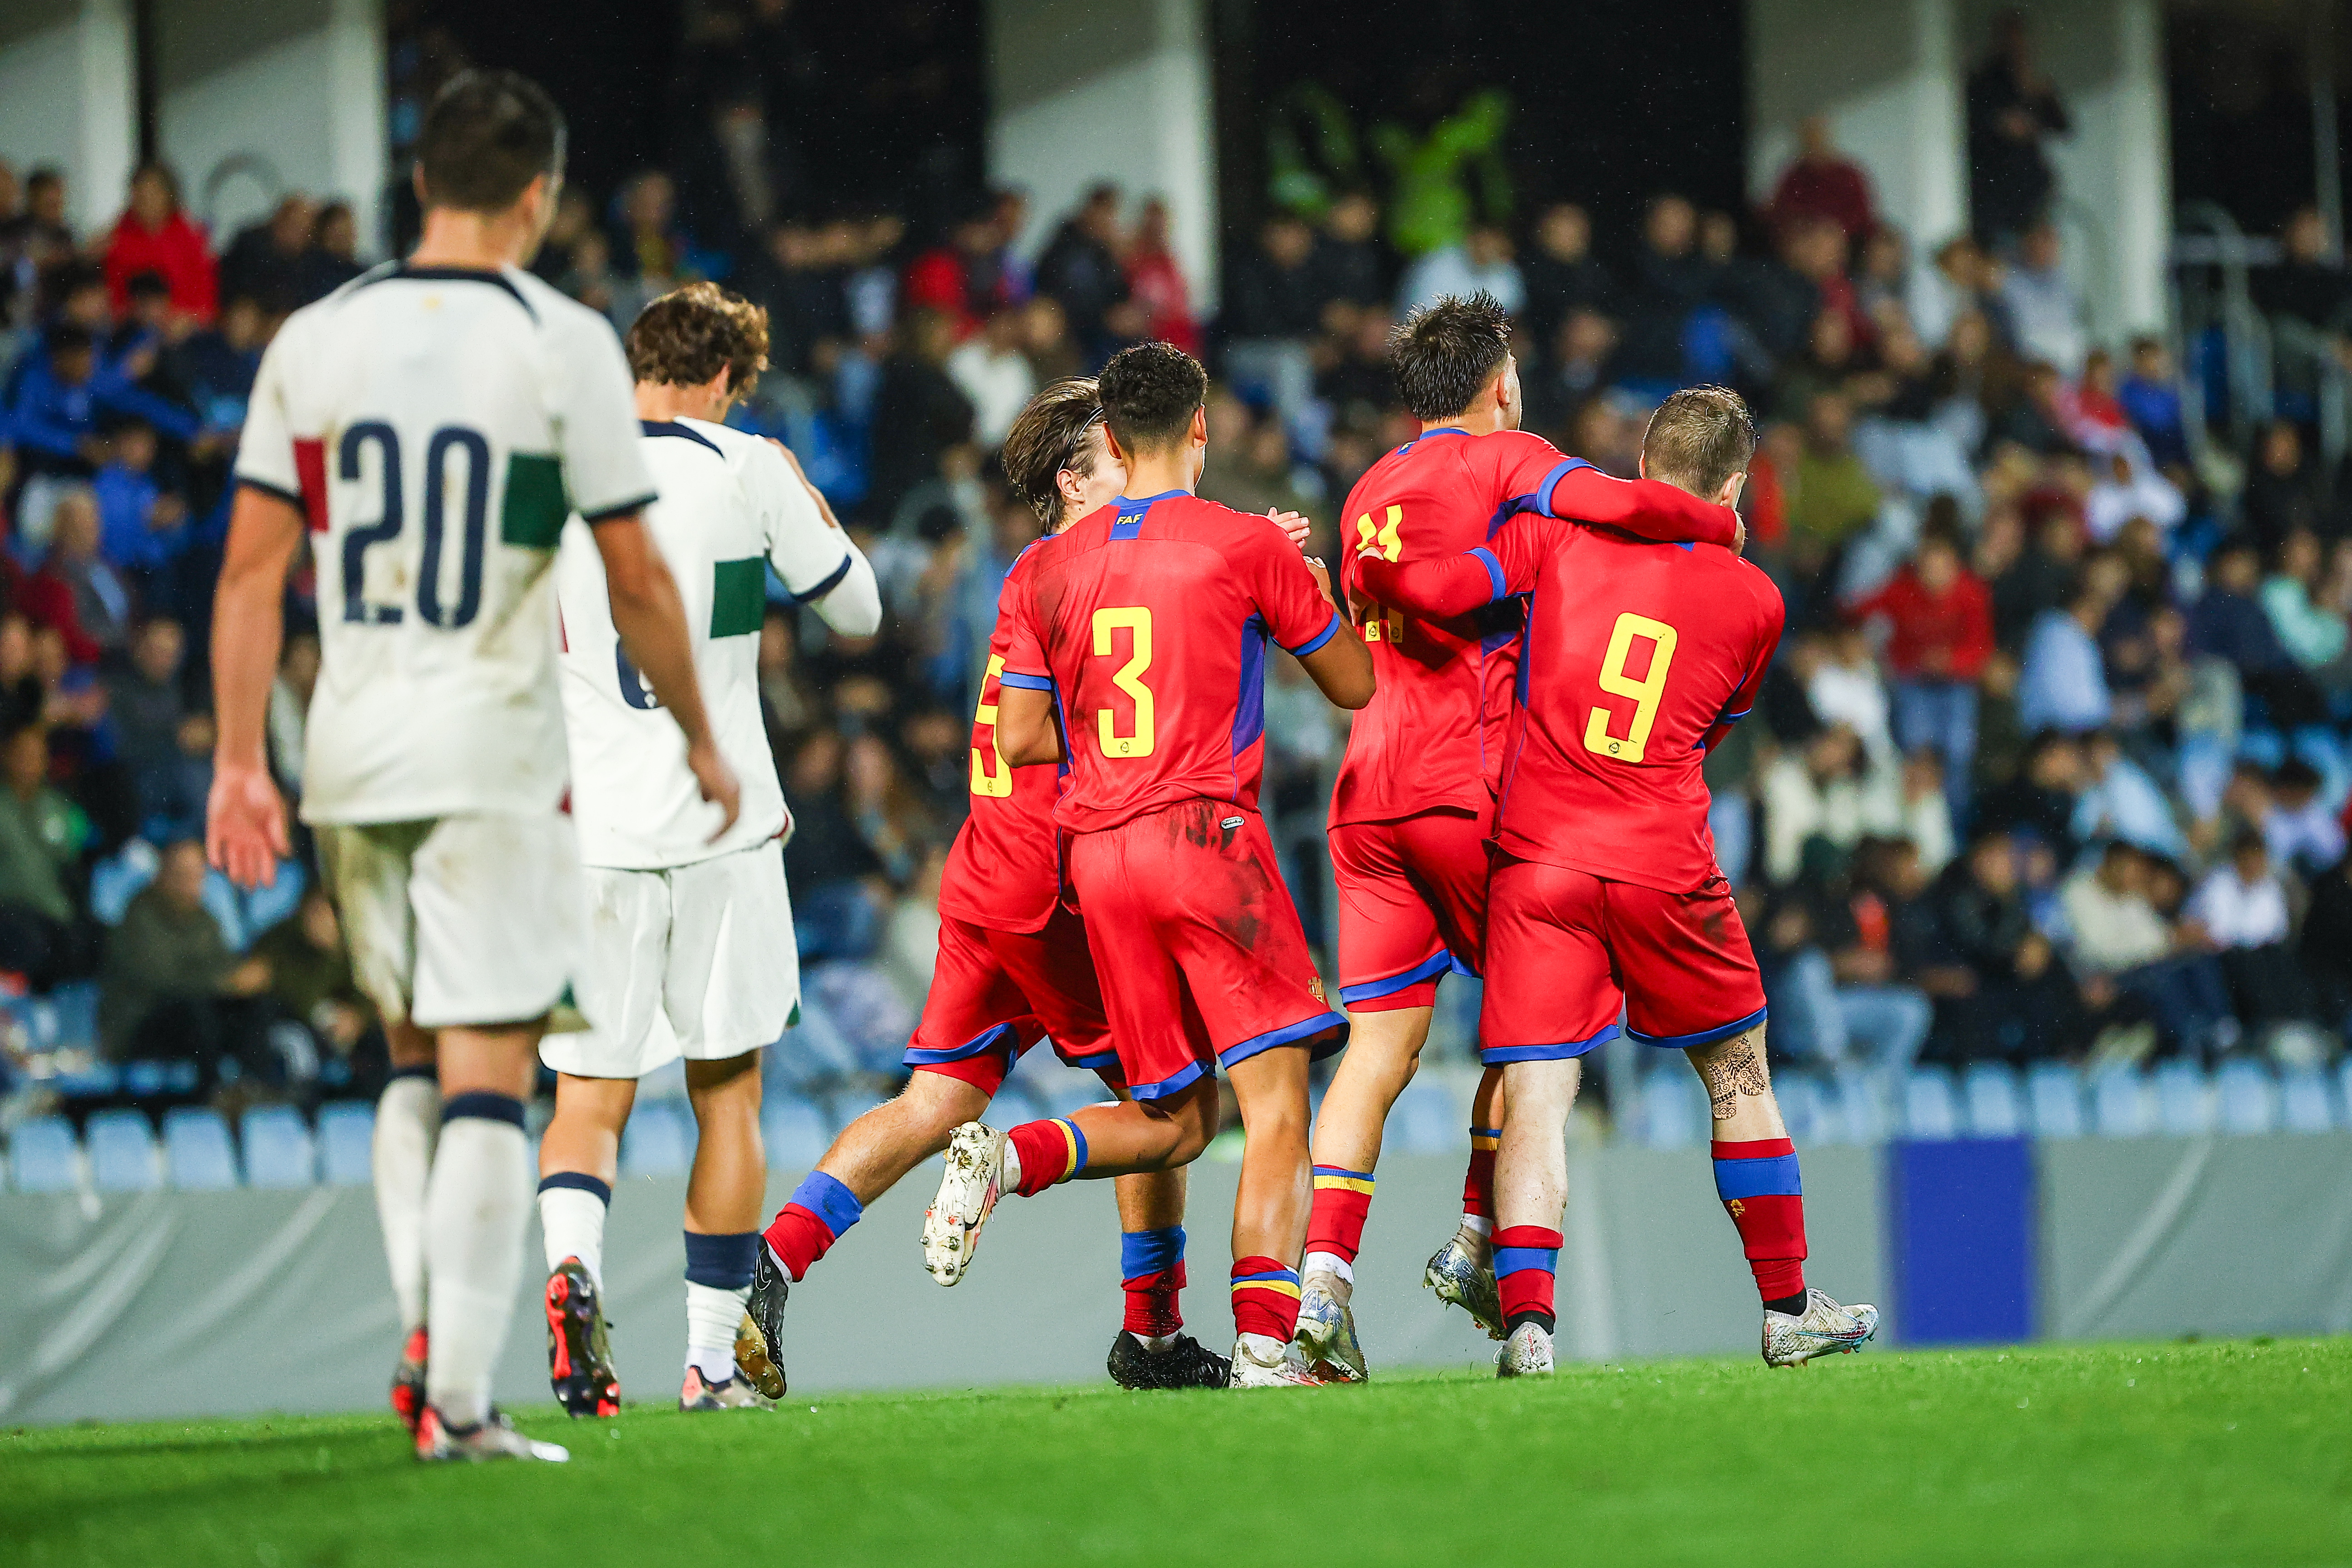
1413 804
691 949
1145 623
432 424
1638 659
1012 967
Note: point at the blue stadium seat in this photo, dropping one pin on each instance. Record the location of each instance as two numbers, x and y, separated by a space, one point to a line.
2054 1094
2247 1099
76 1008
1995 1107
123 1157
1428 1119
1860 1105
278 1150
2307 1102
1930 1109
1804 1107
151 1080
2121 1105
1674 1108
197 1155
347 1143
43 1156
655 1142
2184 1100
794 1132
99 1080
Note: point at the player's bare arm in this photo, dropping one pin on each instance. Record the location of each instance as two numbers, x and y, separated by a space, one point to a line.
245 819
1026 734
1342 667
651 620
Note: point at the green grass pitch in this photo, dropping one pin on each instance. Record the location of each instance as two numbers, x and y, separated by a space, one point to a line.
2204 1454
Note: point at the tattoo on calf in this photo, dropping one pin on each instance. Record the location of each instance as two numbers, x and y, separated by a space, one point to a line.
1731 1070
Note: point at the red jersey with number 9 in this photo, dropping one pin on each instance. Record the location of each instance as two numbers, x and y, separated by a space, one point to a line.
1638 657
1004 870
1148 620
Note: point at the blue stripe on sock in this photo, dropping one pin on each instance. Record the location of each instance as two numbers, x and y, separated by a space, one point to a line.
831 1201
1078 1141
483 1105
721 1262
1775 1177
579 1181
1520 1259
1143 1252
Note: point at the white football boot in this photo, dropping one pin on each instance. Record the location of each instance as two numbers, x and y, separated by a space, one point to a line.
1260 1363
1326 1329
1823 1328
1527 1354
969 1189
495 1438
1463 1272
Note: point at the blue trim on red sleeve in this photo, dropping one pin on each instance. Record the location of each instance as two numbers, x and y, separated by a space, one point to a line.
1330 629
1566 467
1494 572
1289 1035
1000 1037
1249 704
1013 678
1435 966
1175 1083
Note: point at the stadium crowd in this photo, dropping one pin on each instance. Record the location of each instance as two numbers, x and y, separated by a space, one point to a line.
2054 761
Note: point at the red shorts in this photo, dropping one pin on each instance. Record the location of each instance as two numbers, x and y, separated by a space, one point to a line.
1412 905
1203 959
1566 950
995 993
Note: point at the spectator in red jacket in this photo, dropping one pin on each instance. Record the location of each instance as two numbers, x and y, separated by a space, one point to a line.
1941 615
154 235
1157 280
1822 183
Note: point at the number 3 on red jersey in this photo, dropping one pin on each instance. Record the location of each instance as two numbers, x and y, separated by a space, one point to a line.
1136 620
1645 693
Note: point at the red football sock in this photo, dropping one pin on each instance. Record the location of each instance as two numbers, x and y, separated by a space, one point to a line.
1343 1199
821 1208
1050 1151
1756 1181
1151 1266
1265 1298
1478 1184
1526 1260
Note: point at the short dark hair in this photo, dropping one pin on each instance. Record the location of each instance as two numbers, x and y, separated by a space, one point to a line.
1698 439
487 136
1442 354
689 334
1149 394
1049 436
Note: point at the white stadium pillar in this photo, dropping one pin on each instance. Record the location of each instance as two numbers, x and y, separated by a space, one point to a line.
68 97
1086 90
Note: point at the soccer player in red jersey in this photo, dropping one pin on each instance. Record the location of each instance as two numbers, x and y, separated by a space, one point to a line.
1013 968
1605 894
1144 629
1413 805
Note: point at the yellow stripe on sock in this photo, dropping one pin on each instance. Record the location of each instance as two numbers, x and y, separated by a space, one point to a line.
1279 1287
1070 1145
1480 1141
1344 1184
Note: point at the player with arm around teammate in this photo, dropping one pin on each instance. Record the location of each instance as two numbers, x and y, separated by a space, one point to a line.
432 424
689 926
1147 624
1606 896
1414 803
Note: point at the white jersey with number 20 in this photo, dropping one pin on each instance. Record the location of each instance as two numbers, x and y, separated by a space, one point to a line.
437 425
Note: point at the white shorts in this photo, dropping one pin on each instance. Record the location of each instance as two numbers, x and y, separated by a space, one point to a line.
459 921
697 961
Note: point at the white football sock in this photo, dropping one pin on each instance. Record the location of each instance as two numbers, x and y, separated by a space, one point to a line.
572 1224
407 1121
1328 1263
712 1316
475 1211
1477 1224
1012 1168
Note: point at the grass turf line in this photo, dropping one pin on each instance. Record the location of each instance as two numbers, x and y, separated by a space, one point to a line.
2207 1454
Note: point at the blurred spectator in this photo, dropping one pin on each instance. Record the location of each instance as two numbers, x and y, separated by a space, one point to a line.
1831 497
2286 490
2150 396
1561 275
1821 181
171 989
1080 269
2065 684
995 376
2040 800
2045 314
154 235
2000 989
963 279
44 935
265 259
2304 298
888 818
919 412
2117 938
1941 619
141 528
2299 830
648 245
2326 948
1669 282
2011 108
1481 262
1348 263
86 600
1272 308
145 699
52 402
1156 281
2311 631
334 256
784 700
2229 622
2241 907
1819 802
2119 801
310 980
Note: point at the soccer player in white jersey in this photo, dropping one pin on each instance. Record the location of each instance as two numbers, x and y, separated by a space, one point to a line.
689 937
432 424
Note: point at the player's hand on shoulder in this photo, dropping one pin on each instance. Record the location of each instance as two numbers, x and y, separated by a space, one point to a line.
245 824
1294 527
717 781
1322 579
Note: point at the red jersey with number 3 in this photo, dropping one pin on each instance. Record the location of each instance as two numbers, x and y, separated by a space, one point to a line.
1004 870
1432 737
1638 657
1148 620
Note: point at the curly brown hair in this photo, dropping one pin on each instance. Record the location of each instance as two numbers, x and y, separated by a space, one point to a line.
1049 436
689 334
